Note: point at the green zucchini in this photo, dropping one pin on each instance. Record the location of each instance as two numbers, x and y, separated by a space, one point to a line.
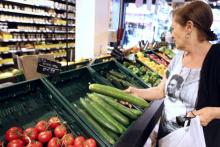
117 74
112 134
107 116
114 81
126 111
95 125
136 111
97 117
115 114
119 94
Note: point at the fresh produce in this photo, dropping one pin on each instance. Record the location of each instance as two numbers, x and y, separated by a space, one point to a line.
150 78
30 134
79 141
35 144
119 80
16 143
60 131
126 111
45 136
54 142
41 126
68 139
168 52
158 68
97 116
54 122
116 114
157 59
95 125
162 55
118 94
49 135
90 143
1 143
13 133
99 108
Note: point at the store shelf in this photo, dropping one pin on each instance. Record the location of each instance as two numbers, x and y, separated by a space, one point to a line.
11 51
34 23
33 27
27 3
35 31
36 5
24 12
12 11
33 40
50 49
69 2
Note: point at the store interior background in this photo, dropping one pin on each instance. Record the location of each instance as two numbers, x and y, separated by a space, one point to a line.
94 26
149 21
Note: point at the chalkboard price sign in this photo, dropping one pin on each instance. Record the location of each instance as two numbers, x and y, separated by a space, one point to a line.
48 67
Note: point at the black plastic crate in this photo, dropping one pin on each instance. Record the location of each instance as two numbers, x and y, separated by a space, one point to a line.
26 103
106 67
75 65
72 85
103 59
140 70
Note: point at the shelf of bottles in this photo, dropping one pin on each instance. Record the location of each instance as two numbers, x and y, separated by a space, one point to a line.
35 27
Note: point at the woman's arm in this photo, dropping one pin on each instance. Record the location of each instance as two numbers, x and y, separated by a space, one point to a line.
153 93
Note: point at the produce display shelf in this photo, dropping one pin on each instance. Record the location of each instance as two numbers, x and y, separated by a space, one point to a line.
138 65
27 103
108 66
72 85
161 76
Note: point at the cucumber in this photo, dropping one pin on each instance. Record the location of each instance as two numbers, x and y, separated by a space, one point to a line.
107 116
114 113
117 74
136 111
95 125
112 134
114 81
97 117
126 111
119 94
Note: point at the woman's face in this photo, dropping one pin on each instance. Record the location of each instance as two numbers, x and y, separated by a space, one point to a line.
178 34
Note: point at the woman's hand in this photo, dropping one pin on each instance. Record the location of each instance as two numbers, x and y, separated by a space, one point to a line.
132 91
206 115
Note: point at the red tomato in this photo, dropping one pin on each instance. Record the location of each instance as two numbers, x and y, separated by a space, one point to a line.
41 126
16 143
54 122
44 136
54 142
30 133
79 140
1 143
68 139
35 144
60 131
90 143
13 133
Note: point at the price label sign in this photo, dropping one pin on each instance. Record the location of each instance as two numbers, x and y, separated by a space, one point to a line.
48 67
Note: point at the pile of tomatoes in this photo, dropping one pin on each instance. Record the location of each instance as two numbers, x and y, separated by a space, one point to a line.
51 133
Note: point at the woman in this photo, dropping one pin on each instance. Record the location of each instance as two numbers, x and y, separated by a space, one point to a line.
198 68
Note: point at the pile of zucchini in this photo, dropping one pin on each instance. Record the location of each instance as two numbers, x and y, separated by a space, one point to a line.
119 80
109 118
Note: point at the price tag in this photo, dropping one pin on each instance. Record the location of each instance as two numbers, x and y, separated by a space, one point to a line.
48 67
